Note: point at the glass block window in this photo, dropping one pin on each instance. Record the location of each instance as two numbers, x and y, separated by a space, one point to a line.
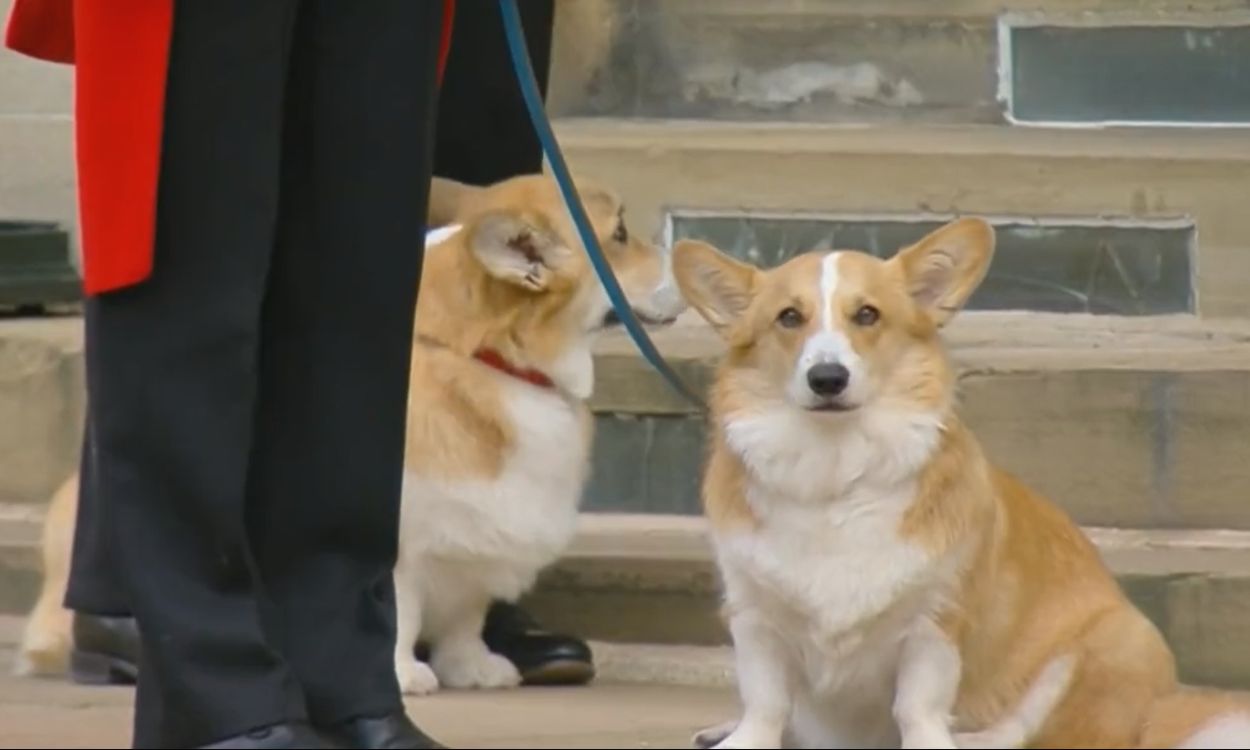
1155 74
1097 267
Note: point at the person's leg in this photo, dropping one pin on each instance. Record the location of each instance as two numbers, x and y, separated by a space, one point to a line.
172 372
327 461
484 135
93 584
105 640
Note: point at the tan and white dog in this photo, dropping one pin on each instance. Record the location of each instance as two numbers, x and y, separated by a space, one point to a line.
885 585
498 430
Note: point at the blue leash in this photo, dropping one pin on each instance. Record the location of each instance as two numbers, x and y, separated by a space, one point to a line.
542 127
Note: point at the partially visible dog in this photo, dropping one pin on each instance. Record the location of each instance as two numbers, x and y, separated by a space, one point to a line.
498 429
885 584
499 433
48 635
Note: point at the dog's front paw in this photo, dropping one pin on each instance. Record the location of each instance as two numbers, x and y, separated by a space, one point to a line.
475 668
710 737
415 677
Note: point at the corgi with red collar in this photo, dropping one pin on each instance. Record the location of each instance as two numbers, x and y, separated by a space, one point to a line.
885 584
499 432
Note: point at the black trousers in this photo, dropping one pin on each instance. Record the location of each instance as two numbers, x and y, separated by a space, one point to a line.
483 136
246 428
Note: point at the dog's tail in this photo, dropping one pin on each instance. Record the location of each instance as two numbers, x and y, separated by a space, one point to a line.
48 636
1199 718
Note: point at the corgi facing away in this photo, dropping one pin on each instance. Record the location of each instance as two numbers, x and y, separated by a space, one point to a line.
885 585
498 430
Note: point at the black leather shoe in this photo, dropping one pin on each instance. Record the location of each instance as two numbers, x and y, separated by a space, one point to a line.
106 650
394 730
541 657
277 737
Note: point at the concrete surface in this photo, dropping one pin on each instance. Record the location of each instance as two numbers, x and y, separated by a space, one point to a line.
42 399
1137 173
37 170
817 60
36 138
56 714
611 713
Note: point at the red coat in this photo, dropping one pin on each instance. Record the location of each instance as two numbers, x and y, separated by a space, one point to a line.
120 50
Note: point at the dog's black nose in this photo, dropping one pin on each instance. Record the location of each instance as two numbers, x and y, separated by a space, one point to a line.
828 379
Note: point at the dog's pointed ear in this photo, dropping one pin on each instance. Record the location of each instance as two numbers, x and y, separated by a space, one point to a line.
718 286
944 268
517 250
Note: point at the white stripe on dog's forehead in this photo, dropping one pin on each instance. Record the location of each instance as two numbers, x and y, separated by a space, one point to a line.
829 343
828 288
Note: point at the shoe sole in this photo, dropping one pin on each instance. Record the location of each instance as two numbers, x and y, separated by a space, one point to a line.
87 668
568 672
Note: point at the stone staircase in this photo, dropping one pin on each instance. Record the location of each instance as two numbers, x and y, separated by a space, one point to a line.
1107 358
1106 361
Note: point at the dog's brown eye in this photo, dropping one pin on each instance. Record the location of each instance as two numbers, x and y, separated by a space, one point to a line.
790 318
621 234
867 315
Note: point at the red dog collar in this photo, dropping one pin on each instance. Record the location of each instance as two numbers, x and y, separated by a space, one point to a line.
492 358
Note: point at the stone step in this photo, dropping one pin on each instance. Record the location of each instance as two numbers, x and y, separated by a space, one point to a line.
1125 422
42 398
1108 203
1132 422
890 61
652 579
645 590
20 566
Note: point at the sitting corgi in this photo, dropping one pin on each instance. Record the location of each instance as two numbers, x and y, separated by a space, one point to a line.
498 430
885 585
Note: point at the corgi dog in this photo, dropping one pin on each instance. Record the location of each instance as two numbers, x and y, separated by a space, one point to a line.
498 430
499 433
885 585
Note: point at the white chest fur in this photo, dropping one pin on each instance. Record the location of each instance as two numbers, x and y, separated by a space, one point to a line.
827 570
829 576
519 521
